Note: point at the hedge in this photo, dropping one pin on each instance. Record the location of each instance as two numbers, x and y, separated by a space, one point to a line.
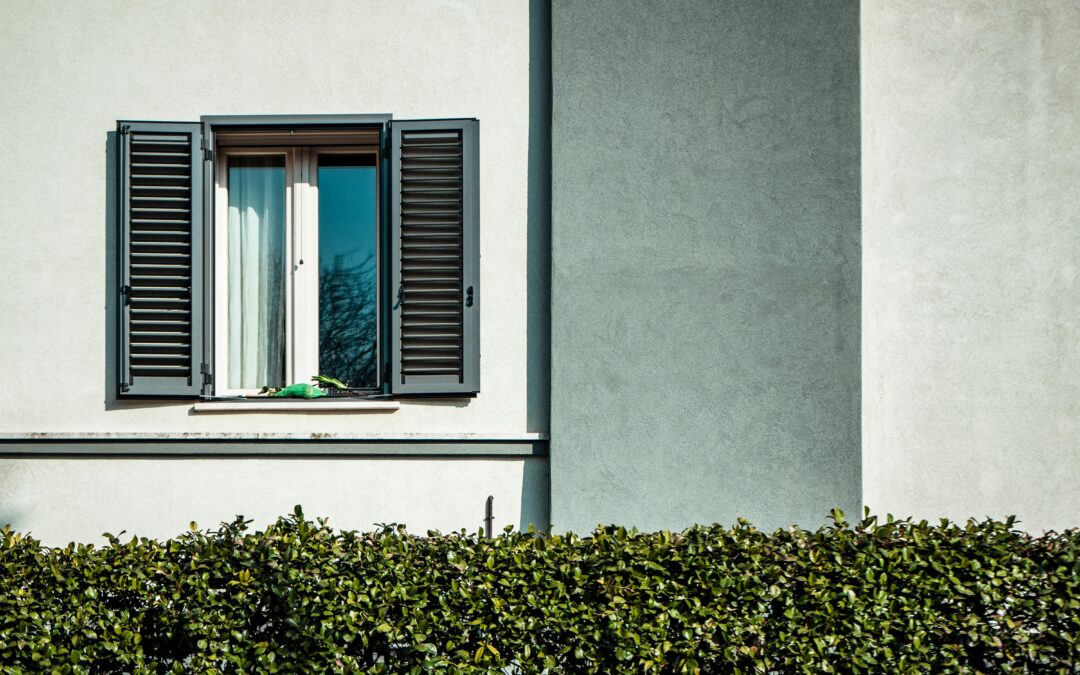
895 596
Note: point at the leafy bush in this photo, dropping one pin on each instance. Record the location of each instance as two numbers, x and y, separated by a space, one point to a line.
897 596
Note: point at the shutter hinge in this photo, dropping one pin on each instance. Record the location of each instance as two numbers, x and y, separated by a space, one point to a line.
468 296
208 154
125 129
125 291
124 387
207 376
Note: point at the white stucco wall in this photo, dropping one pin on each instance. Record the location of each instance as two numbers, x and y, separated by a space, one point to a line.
68 71
971 259
60 500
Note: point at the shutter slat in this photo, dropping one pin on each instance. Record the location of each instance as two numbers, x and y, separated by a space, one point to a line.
174 332
167 328
431 233
174 231
181 223
431 185
162 275
429 221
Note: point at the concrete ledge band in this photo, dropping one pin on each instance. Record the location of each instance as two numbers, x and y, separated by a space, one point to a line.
255 448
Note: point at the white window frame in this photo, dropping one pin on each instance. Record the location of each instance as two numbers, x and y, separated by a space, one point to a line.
301 256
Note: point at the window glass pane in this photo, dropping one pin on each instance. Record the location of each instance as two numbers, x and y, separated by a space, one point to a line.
256 253
347 271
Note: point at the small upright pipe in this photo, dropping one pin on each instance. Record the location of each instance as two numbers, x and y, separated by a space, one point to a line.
489 515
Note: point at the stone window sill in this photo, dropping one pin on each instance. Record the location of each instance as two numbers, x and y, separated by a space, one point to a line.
294 406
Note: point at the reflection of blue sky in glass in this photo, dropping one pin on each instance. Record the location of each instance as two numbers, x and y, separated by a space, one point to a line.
346 212
347 270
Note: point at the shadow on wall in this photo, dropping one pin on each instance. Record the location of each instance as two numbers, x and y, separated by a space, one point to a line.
538 301
112 290
8 517
10 478
535 490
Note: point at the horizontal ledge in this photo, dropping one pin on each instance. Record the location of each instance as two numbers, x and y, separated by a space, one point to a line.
283 448
202 436
294 406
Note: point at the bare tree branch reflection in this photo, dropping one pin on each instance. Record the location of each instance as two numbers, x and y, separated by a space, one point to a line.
347 321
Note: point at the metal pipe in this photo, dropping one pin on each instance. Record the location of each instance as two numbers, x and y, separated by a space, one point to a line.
489 515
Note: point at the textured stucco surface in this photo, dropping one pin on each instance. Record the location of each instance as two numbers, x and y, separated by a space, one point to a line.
69 70
60 500
705 283
971 259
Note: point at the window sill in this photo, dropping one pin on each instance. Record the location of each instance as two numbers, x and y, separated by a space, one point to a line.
301 406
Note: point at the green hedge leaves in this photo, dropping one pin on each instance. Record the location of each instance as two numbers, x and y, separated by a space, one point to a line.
896 597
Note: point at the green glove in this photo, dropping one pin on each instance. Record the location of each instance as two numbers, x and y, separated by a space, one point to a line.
329 382
301 391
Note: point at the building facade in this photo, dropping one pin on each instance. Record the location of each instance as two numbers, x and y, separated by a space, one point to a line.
734 260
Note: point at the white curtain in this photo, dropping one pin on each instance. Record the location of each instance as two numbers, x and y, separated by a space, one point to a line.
256 272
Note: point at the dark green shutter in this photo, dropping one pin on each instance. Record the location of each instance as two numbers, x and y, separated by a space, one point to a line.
435 262
162 237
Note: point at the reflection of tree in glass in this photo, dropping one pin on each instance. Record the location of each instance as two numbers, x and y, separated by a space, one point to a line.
347 323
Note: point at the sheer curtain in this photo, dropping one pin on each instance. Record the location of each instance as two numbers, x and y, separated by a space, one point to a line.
256 272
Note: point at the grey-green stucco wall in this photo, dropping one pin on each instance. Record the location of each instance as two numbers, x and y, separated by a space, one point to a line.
705 262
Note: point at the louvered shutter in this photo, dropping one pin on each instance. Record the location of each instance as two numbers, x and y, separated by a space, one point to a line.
161 242
435 266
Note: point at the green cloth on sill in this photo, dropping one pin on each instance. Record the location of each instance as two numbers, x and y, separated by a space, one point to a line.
300 391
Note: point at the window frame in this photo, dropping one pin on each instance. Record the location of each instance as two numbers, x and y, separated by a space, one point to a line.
301 257
301 352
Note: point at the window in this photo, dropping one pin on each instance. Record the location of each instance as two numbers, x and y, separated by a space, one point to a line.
260 251
306 215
